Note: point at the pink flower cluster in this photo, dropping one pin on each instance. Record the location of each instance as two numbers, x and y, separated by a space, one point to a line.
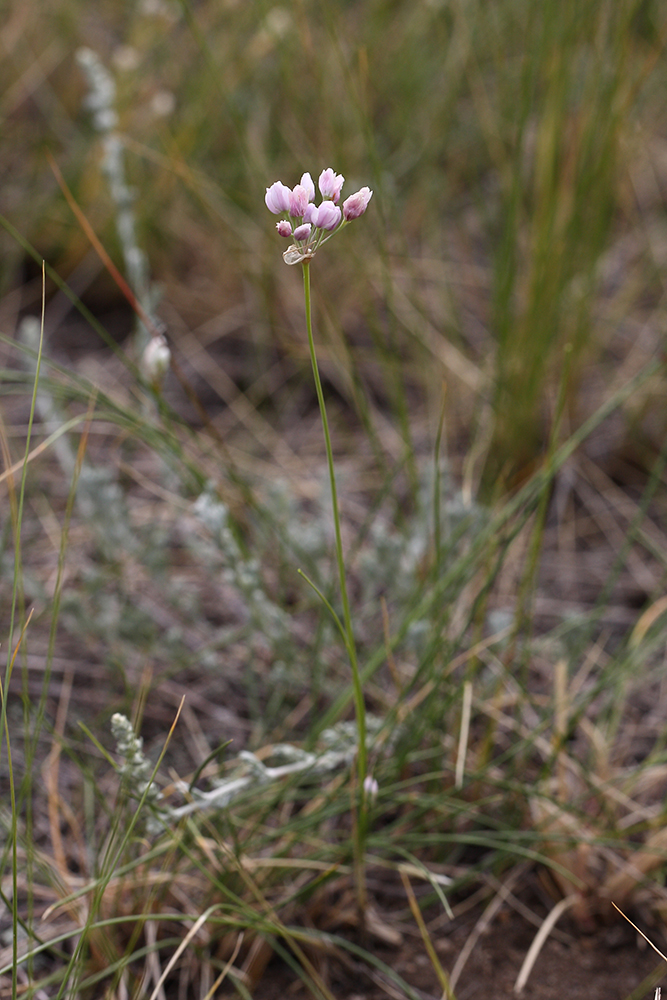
311 224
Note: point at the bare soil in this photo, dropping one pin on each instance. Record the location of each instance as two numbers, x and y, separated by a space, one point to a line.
615 963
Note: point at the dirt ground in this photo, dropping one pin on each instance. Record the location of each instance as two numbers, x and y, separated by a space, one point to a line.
612 964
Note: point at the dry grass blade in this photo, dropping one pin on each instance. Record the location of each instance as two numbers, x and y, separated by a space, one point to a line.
192 933
484 922
648 940
540 938
647 620
99 248
447 991
463 735
227 969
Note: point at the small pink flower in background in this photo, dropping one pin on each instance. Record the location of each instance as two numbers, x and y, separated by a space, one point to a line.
302 232
330 184
356 204
156 360
284 228
277 198
371 789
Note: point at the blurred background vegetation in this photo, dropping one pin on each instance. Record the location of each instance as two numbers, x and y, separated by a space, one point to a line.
515 150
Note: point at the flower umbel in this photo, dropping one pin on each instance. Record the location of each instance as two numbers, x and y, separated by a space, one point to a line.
311 225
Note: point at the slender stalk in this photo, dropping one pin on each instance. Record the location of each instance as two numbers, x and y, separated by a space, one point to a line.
358 693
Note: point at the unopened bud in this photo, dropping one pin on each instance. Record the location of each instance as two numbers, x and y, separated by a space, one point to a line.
156 359
356 204
330 184
302 232
371 789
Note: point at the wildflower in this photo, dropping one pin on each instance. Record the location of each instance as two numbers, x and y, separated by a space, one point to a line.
313 224
356 204
371 789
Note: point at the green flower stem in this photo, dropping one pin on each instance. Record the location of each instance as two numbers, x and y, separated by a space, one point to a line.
360 709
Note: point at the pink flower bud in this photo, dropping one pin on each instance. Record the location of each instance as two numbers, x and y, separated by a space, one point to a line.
284 228
302 232
307 183
298 201
356 204
310 215
371 789
330 184
277 198
328 216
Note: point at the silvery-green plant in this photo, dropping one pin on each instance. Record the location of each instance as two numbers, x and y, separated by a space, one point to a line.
242 572
338 749
136 770
101 101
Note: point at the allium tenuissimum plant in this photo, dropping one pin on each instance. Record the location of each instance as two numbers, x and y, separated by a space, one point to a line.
311 225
